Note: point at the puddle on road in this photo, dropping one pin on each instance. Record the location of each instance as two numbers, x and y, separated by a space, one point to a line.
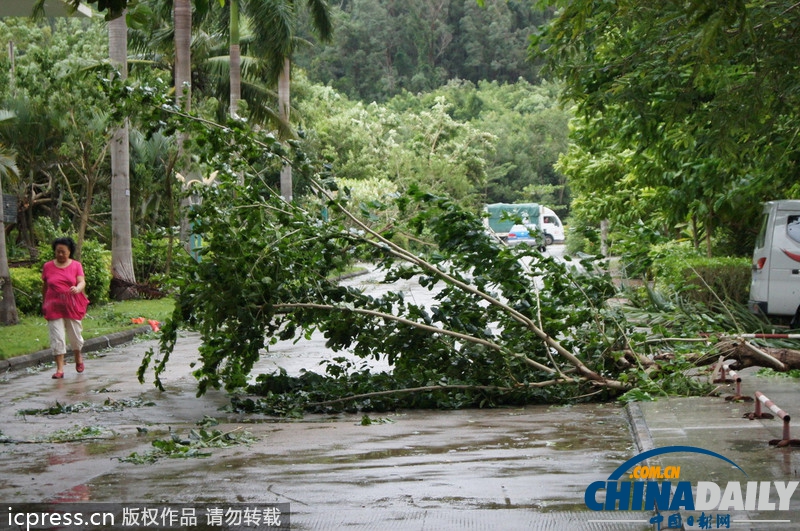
78 493
748 445
541 506
428 450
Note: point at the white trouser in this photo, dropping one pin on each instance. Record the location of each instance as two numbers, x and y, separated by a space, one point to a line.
74 331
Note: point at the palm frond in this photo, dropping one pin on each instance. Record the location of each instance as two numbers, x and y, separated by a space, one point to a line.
8 162
321 18
273 30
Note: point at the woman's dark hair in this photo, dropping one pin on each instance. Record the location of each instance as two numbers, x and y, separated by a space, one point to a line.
69 242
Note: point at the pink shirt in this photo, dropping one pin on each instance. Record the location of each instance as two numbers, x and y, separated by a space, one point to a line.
58 302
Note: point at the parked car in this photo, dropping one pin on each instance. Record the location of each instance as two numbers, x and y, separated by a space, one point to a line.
775 285
527 235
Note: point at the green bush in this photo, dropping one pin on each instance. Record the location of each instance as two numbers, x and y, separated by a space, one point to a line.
96 261
149 255
703 279
27 283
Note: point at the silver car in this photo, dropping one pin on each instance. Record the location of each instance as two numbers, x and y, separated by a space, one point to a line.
528 235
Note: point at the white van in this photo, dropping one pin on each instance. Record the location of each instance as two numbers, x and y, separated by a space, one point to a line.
552 226
498 217
775 285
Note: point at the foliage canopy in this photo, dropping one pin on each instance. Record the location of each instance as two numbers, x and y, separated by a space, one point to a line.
684 110
488 339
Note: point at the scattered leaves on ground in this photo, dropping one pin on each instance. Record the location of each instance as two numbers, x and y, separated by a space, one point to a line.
195 444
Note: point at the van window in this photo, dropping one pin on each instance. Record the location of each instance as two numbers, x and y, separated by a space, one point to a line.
762 232
793 228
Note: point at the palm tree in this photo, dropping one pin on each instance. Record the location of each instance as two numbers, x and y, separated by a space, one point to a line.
123 275
182 22
8 304
235 59
121 240
274 25
214 60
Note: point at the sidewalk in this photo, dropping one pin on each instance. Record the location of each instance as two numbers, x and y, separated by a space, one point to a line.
718 425
90 345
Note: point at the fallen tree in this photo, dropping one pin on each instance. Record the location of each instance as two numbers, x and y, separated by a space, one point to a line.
509 326
743 354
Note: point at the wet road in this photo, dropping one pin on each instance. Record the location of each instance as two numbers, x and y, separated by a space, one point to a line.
407 470
521 468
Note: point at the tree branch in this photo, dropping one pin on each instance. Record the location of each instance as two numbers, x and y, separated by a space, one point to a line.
435 388
421 326
398 251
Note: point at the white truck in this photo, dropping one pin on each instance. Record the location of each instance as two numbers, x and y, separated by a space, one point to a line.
775 284
500 217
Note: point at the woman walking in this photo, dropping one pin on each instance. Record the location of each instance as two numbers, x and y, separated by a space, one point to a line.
64 303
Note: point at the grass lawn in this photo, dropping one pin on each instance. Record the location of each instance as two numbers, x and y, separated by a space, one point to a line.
31 334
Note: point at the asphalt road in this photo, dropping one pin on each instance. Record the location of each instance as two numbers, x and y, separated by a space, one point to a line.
68 444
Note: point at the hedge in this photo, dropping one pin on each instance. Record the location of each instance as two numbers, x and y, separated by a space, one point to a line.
706 279
27 283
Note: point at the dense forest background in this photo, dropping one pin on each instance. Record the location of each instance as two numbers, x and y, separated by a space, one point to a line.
656 122
382 48
436 93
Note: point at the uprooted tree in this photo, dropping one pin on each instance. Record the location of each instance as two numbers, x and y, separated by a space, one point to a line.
499 326
509 325
741 352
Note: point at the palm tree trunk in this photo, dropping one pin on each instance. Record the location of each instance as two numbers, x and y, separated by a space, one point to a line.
182 15
8 304
284 103
235 60
123 275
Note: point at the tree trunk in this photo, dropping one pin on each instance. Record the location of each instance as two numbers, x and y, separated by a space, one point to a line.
744 354
123 282
235 61
604 224
284 102
8 304
182 15
85 212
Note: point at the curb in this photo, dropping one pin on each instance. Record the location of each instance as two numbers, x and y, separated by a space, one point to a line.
90 345
638 424
353 274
